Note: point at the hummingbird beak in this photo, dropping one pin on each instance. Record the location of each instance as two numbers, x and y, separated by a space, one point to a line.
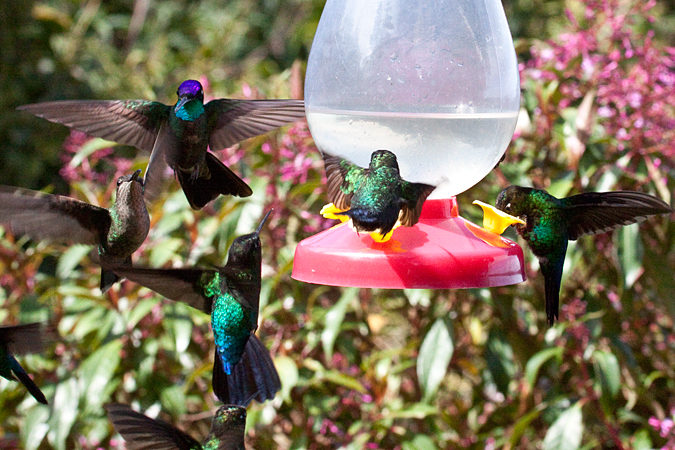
257 230
181 102
135 175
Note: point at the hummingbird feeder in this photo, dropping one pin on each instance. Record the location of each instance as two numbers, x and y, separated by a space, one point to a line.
436 83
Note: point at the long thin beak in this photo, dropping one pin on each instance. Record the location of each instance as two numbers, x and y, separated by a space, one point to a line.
181 102
495 220
257 230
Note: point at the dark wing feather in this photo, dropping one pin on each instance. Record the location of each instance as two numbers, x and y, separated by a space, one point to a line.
342 180
181 285
29 338
414 195
232 121
165 144
45 216
128 122
600 212
143 433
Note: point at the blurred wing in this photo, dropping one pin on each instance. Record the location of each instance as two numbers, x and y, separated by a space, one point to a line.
164 144
414 195
46 216
600 212
232 121
143 433
244 287
128 122
29 338
181 285
342 180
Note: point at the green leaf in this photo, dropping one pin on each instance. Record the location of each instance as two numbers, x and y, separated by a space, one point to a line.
630 253
173 400
88 148
288 371
141 309
435 355
65 404
607 366
566 431
70 259
333 320
414 411
642 440
343 380
500 360
420 442
35 427
538 360
96 374
522 425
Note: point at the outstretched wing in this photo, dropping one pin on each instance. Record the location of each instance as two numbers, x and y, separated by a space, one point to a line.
46 216
600 212
232 121
143 433
128 122
413 195
342 180
181 285
29 338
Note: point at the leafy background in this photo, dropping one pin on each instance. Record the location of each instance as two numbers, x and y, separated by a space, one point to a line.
405 369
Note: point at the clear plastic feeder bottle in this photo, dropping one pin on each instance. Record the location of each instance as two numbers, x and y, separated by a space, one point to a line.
435 82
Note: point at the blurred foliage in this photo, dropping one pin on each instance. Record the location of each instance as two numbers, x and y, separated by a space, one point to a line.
411 369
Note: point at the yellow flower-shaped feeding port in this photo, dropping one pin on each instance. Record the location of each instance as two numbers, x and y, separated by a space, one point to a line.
330 211
495 220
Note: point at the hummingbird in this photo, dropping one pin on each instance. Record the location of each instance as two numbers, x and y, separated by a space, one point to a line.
117 231
178 135
376 198
242 369
20 340
143 433
550 222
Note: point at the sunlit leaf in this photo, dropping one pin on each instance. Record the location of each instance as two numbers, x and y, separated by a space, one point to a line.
420 442
333 320
630 253
434 356
565 433
70 259
607 366
35 427
96 373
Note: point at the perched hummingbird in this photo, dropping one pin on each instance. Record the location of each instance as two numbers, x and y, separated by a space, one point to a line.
242 369
377 197
550 222
117 231
19 340
178 135
143 433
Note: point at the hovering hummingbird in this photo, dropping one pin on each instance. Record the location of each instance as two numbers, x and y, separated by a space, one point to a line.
117 231
143 433
242 369
376 198
550 222
19 340
178 135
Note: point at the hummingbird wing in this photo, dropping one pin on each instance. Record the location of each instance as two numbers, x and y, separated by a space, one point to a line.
46 216
181 285
128 122
231 121
600 212
413 196
143 433
342 180
164 144
29 338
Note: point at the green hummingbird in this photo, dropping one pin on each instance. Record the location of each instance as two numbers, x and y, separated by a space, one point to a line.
551 222
117 231
242 369
143 433
178 135
20 340
376 198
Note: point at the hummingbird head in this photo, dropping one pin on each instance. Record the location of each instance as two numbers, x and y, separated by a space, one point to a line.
230 415
246 250
513 200
189 90
130 187
383 158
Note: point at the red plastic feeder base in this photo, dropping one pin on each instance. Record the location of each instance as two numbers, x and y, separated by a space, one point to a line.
442 251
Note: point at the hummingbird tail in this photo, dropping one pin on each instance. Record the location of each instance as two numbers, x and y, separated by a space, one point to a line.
552 277
211 183
253 377
23 377
108 278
